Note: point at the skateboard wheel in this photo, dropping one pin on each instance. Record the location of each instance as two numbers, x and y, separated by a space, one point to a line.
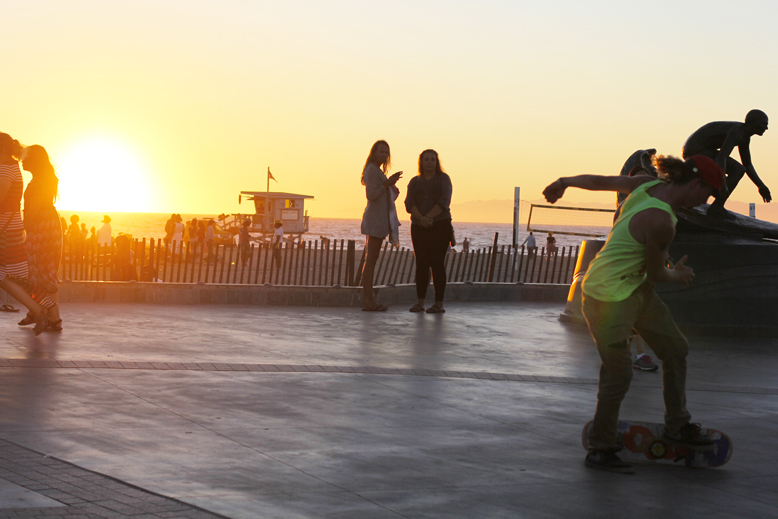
657 450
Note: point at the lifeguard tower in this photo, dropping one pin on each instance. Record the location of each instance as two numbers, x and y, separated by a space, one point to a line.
269 207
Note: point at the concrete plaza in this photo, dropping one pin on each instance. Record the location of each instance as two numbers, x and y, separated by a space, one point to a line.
311 412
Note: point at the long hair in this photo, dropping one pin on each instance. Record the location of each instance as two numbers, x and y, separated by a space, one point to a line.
372 160
438 167
15 147
676 170
36 160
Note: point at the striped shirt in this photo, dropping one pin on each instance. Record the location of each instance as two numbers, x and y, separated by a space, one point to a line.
12 201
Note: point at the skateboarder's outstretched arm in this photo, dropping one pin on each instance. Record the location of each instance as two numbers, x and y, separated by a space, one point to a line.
621 184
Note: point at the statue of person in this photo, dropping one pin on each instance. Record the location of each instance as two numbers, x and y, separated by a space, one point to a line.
641 160
717 140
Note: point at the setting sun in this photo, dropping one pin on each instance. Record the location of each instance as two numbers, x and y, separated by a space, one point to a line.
101 174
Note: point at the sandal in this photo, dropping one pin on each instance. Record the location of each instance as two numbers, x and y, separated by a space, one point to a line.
29 319
416 308
436 310
376 308
54 326
8 308
41 323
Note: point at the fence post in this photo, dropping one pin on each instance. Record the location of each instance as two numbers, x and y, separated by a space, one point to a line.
350 260
151 260
493 258
340 262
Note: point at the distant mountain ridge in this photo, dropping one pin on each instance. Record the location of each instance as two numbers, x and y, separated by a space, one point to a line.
501 211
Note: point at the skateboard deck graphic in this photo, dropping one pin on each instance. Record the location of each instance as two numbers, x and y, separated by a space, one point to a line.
643 443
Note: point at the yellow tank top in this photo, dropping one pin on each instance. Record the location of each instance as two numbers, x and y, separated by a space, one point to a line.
620 267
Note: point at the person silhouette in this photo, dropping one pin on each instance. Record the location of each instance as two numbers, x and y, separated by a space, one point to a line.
717 140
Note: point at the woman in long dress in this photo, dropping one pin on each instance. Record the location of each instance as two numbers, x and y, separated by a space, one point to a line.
43 231
381 193
13 256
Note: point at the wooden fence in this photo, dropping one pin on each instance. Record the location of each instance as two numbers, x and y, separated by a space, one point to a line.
326 263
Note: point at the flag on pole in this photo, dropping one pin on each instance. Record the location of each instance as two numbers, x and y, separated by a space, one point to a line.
270 176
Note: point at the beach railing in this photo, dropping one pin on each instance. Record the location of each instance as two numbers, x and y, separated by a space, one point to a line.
314 262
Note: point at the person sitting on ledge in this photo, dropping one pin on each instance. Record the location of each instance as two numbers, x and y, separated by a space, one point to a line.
717 140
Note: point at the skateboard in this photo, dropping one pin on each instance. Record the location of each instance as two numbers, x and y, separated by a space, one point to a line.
643 443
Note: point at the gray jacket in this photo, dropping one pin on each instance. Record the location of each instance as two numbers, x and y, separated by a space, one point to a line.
375 220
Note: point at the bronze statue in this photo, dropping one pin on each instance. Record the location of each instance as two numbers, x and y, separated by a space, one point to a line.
717 140
641 159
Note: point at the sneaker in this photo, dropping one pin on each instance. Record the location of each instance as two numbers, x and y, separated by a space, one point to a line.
609 461
645 363
690 436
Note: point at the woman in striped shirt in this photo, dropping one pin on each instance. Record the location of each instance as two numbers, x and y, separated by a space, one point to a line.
13 256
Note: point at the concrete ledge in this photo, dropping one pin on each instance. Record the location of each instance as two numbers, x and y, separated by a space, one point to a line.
193 294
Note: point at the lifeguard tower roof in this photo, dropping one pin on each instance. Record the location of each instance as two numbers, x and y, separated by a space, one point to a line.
274 194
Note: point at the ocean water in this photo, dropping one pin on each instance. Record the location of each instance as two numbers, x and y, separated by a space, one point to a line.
481 235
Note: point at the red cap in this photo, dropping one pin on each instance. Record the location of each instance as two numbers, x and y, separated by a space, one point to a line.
709 171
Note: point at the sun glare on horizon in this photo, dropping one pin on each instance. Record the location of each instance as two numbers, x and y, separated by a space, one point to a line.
102 174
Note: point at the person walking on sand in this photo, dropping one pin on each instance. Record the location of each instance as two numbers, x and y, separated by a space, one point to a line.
428 200
75 238
551 245
170 227
210 242
13 255
618 295
192 238
278 242
177 240
104 233
381 192
532 244
43 241
244 239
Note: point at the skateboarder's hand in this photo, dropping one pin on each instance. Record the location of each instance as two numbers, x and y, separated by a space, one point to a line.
765 193
683 274
554 191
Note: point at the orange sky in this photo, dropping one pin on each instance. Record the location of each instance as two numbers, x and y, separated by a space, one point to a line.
176 107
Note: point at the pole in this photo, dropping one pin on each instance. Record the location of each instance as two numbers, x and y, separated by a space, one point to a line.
516 197
267 201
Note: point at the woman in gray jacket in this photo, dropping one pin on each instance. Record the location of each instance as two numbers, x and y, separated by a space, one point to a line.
381 192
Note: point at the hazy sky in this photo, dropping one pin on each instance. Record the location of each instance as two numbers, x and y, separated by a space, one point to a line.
177 106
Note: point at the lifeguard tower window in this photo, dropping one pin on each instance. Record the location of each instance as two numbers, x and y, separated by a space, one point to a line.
289 204
259 205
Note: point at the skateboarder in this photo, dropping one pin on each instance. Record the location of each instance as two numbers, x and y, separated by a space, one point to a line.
717 140
618 295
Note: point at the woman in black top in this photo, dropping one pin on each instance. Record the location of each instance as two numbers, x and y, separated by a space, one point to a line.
428 200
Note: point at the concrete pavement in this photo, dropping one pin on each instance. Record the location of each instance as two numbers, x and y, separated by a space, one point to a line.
256 412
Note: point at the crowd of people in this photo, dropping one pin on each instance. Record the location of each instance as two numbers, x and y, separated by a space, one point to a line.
76 235
198 235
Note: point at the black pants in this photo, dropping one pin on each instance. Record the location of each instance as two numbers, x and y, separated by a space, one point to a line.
429 247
